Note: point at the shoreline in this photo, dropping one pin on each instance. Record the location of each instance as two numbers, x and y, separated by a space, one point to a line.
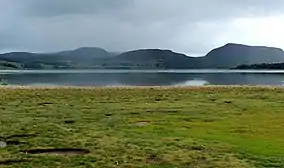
146 87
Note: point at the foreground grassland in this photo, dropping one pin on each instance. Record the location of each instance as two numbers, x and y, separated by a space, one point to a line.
207 127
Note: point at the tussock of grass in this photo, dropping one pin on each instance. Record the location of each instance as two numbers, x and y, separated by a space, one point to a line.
152 127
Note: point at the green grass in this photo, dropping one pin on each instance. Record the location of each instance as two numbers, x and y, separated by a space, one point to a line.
207 127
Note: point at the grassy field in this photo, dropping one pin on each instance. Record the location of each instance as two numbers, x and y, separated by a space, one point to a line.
206 127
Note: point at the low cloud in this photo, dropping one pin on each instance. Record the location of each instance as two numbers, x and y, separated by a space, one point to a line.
192 27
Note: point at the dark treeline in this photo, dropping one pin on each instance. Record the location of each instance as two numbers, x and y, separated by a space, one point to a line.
262 66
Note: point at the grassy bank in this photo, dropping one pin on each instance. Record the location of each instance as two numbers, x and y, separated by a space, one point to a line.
205 127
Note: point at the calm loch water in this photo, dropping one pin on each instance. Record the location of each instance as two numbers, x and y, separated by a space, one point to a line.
141 77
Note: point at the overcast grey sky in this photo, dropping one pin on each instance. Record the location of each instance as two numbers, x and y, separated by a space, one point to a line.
188 26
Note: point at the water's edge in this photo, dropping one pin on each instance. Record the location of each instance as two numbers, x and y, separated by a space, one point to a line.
191 71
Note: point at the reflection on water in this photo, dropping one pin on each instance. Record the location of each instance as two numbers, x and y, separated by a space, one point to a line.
137 78
193 82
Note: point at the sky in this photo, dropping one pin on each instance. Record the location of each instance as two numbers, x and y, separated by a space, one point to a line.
193 27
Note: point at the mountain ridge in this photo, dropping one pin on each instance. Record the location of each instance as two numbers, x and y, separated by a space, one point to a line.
228 56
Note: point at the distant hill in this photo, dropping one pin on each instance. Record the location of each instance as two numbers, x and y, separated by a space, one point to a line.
155 58
81 57
228 56
232 55
84 56
33 60
86 53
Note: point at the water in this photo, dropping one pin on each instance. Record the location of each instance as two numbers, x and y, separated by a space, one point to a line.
142 77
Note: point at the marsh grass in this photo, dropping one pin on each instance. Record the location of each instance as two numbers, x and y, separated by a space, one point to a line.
155 127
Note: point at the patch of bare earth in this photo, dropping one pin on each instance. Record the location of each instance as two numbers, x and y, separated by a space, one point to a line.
58 151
